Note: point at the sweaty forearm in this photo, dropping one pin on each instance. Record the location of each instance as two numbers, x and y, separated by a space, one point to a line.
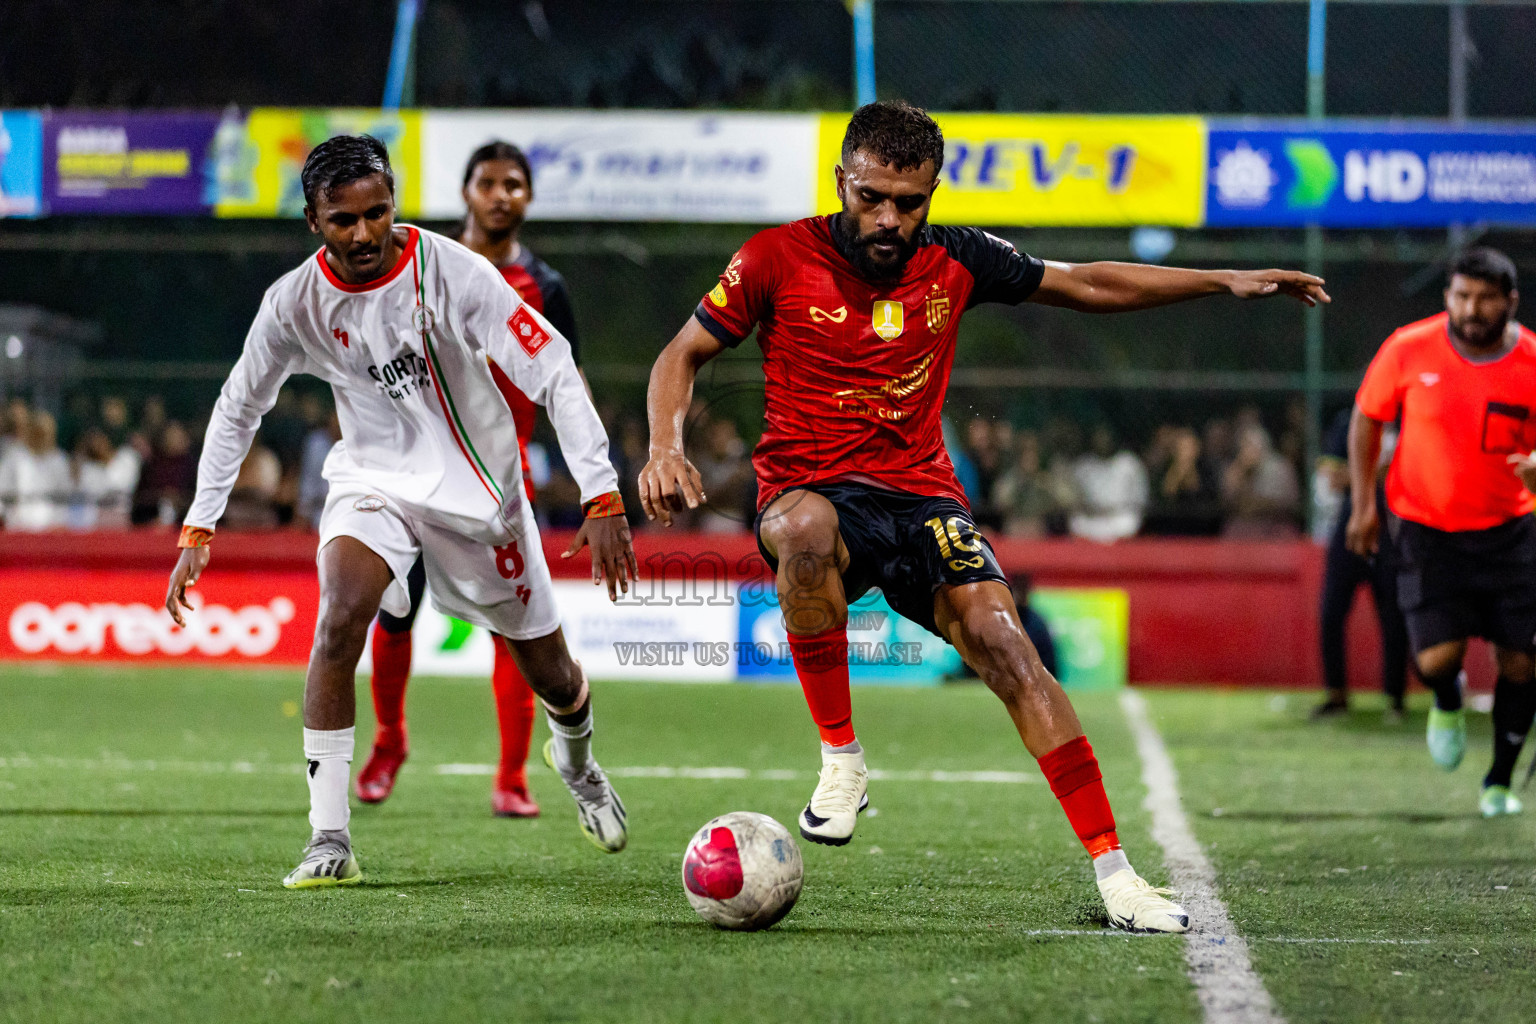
668 397
1364 451
1109 287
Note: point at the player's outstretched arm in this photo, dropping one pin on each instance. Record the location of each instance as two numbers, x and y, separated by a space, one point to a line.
1122 287
669 481
267 360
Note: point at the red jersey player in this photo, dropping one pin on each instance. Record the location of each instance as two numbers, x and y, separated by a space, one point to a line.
498 186
856 316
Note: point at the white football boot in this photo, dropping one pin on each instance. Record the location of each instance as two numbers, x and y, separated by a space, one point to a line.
599 811
328 861
841 793
1137 907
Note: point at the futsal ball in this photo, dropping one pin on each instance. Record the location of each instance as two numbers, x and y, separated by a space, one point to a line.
742 871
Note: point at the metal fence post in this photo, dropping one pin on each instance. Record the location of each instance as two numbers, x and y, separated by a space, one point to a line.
1317 33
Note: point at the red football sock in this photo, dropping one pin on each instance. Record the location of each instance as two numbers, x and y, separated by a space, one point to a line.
391 671
821 662
1073 773
514 714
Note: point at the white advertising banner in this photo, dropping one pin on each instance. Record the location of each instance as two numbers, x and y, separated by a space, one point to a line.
651 166
612 641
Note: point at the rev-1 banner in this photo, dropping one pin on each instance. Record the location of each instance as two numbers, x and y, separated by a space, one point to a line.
1344 175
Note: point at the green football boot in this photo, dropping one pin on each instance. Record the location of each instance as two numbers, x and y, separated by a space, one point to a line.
1497 800
1447 737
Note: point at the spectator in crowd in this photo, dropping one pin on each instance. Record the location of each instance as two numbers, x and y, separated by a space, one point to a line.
34 477
1112 490
13 424
1260 489
727 478
114 420
987 458
1186 501
253 500
1025 496
965 467
1344 571
1218 446
169 476
630 451
312 484
152 418
106 476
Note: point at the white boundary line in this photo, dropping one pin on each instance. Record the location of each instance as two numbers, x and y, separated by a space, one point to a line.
113 763
1229 990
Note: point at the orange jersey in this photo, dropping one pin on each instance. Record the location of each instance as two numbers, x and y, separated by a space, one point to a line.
1460 422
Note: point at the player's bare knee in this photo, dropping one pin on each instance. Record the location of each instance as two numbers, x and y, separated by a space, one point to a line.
1438 660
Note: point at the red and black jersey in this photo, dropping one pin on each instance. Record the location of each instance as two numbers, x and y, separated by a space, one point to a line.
542 287
857 369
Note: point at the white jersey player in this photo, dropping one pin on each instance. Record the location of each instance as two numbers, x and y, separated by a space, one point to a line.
406 326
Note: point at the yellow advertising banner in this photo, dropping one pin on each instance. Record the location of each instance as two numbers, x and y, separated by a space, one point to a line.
1024 170
259 170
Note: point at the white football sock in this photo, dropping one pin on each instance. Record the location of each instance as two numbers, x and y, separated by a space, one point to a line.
846 748
1108 862
329 753
573 743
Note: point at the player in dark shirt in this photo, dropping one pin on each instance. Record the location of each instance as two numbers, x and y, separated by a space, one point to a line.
856 316
498 186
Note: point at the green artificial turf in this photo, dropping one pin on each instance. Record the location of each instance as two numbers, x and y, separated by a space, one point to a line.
146 832
1344 829
146 818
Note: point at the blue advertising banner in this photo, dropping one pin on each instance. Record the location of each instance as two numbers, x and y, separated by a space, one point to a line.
116 162
1350 175
21 163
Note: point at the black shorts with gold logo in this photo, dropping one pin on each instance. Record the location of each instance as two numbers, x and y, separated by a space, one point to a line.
908 545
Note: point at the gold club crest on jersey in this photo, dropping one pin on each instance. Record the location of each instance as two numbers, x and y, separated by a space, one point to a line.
936 309
888 318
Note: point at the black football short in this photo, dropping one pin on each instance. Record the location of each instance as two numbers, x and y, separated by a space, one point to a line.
1454 585
908 545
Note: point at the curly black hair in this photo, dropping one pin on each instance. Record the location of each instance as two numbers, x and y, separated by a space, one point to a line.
343 159
896 133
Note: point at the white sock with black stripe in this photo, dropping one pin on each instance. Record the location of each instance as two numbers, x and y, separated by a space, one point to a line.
329 753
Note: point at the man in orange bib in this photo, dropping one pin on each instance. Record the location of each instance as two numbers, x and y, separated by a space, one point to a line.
1463 384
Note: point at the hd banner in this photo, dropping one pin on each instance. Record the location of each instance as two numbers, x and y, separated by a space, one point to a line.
591 165
1026 170
115 162
1343 175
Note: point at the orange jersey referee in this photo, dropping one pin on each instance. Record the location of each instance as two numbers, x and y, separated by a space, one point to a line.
1463 386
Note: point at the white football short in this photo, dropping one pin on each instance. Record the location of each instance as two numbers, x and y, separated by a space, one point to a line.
505 589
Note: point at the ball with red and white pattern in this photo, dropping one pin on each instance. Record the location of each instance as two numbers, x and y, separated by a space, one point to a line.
742 871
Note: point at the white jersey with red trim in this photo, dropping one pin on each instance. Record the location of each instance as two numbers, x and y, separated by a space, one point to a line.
408 357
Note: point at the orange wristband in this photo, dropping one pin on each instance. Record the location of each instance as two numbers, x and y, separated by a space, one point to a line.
610 504
194 537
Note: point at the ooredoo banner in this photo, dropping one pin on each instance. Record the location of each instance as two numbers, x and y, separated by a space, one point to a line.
87 615
592 165
1279 174
115 162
